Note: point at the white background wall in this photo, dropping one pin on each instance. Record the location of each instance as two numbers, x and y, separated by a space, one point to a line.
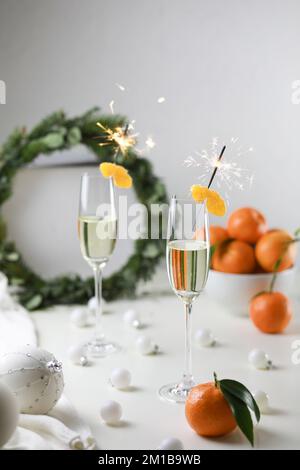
225 68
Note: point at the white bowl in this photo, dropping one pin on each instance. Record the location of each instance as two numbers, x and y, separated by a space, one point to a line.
234 291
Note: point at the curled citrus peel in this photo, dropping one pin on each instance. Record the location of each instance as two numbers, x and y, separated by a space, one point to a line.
119 174
214 202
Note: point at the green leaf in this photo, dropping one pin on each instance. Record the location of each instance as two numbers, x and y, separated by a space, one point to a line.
53 140
151 251
74 136
240 391
34 302
241 414
12 256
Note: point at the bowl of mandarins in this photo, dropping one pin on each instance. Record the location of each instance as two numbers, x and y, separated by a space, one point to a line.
247 259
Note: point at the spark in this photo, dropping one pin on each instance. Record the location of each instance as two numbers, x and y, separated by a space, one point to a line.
111 106
150 143
121 87
230 174
161 99
121 137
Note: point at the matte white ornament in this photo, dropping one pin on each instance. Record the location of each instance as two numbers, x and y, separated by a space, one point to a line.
204 337
145 345
111 412
9 413
132 318
35 376
262 401
171 443
79 317
259 359
78 354
120 378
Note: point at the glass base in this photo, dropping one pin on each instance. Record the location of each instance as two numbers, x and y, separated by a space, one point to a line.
102 348
176 392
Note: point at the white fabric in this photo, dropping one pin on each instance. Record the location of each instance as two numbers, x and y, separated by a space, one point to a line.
62 428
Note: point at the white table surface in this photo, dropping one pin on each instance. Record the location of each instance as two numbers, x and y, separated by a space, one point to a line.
148 419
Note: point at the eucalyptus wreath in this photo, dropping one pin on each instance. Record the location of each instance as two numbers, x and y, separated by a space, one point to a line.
57 132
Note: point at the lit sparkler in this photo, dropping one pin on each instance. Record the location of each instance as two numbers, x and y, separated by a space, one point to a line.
230 173
122 137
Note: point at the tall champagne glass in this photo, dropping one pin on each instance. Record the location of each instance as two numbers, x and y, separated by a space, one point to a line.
188 266
97 226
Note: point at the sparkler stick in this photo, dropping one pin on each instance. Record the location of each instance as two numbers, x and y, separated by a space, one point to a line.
211 179
216 167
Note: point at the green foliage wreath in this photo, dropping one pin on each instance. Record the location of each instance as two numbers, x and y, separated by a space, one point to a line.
54 133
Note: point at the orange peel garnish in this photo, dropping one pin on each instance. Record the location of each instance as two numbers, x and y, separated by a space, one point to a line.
214 202
120 175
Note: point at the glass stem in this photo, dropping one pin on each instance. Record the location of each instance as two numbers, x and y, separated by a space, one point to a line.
187 376
98 294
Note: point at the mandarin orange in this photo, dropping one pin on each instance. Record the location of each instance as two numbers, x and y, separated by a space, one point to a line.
207 411
275 245
234 256
247 225
270 312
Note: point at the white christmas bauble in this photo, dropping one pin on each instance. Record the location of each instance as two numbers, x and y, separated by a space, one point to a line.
120 378
145 345
9 413
79 317
204 337
111 412
78 354
171 443
259 359
132 318
262 400
35 376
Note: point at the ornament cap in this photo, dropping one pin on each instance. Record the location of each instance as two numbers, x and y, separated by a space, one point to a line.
54 366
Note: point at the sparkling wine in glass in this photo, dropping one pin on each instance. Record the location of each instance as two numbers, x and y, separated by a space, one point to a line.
97 227
188 265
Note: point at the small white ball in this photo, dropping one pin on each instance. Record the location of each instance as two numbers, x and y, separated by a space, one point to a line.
79 317
145 345
77 354
204 337
171 443
259 359
132 318
111 412
92 304
120 378
262 400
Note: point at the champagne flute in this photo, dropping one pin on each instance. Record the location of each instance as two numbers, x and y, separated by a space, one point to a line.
188 266
97 226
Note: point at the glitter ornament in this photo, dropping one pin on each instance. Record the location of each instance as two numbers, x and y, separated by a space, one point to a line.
35 377
259 359
204 337
262 400
79 317
9 413
171 443
120 378
111 412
